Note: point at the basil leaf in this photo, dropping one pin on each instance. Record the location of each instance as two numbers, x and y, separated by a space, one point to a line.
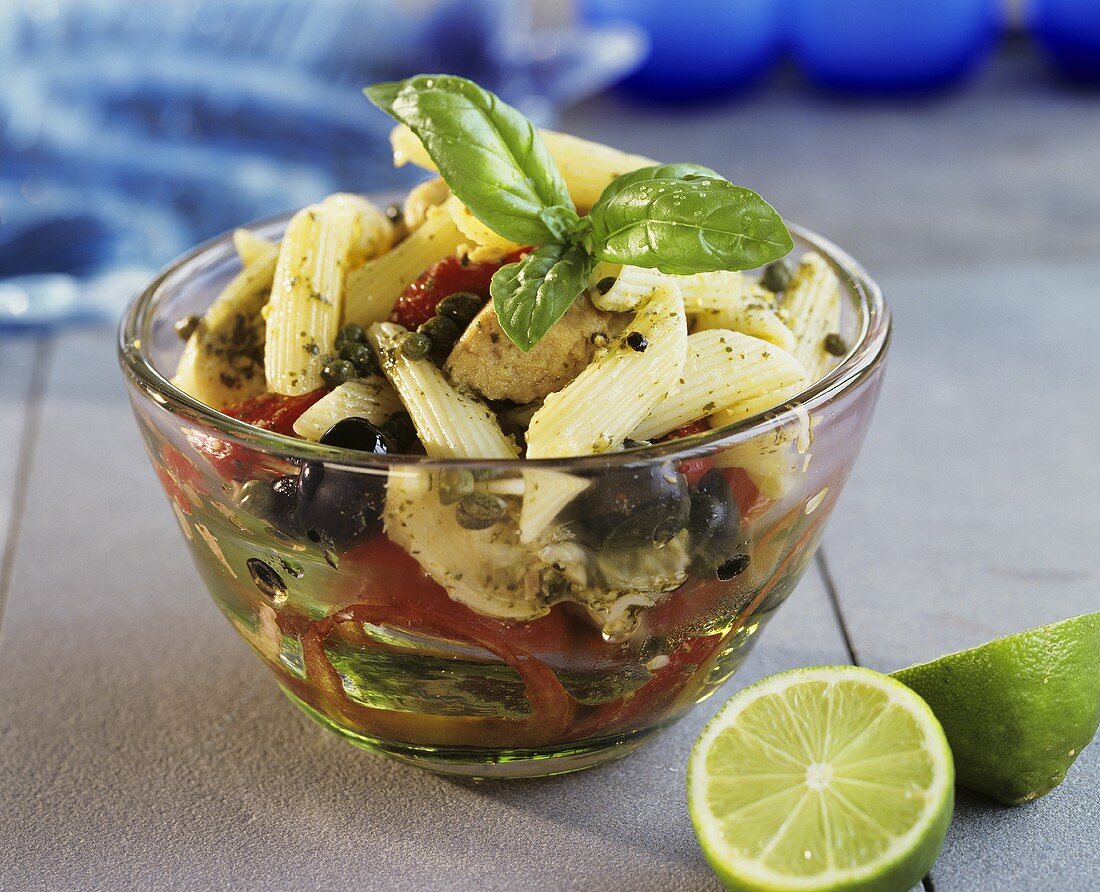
533 294
681 171
490 154
682 226
563 222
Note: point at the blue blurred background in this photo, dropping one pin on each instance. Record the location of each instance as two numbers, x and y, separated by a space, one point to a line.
130 131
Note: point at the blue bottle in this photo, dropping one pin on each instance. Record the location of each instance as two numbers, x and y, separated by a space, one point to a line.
698 48
892 46
1070 32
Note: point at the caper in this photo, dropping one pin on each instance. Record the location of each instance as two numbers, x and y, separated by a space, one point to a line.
337 372
637 342
455 485
836 345
480 510
360 356
416 345
777 276
187 326
462 307
443 331
605 284
352 333
395 212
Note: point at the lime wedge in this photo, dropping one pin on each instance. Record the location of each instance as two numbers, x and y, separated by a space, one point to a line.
1017 710
824 778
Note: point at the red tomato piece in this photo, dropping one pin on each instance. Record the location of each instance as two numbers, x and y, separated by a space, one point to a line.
692 468
417 303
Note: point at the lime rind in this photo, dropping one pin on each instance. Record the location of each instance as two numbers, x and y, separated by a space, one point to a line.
873 859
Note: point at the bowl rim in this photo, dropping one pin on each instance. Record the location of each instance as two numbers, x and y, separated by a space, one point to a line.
863 358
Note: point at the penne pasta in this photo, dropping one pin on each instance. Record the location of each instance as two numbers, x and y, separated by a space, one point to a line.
371 398
223 360
633 287
251 247
421 199
307 295
545 494
587 167
373 287
727 300
813 307
450 424
487 245
725 371
603 405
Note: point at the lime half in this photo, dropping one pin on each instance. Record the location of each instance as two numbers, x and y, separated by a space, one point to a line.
1017 710
826 778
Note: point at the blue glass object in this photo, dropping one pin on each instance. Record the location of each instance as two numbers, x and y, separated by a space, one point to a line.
131 131
698 48
890 46
1070 31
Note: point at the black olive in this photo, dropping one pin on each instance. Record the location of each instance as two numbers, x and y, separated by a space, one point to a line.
358 433
714 523
637 341
337 507
777 276
280 503
400 429
633 507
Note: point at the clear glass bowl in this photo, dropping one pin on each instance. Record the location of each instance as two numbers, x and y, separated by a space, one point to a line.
363 640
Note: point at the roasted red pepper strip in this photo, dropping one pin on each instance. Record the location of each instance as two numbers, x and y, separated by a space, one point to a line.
417 303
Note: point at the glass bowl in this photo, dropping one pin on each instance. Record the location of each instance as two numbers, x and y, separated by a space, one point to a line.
362 638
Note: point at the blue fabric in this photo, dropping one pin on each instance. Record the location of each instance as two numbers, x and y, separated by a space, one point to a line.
130 131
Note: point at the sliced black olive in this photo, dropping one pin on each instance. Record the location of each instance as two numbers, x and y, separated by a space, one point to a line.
733 567
714 524
359 433
633 507
335 506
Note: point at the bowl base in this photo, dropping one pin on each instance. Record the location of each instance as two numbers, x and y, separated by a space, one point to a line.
490 763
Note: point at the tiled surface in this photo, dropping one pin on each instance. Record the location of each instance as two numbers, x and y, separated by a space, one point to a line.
143 747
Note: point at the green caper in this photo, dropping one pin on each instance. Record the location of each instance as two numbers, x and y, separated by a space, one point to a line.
360 356
337 372
395 212
462 307
480 510
416 345
351 333
777 276
605 284
443 331
187 326
455 485
836 345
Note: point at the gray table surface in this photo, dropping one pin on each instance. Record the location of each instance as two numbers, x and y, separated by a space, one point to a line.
143 746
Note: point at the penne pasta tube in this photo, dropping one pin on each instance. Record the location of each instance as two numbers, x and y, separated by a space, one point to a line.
421 199
373 288
603 405
307 295
223 360
813 307
487 244
251 247
450 424
633 287
545 494
725 371
727 300
371 398
587 167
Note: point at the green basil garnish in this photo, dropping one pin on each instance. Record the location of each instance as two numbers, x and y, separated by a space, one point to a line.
691 226
490 154
679 218
533 294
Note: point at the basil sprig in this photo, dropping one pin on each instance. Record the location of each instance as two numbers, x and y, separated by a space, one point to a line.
678 218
